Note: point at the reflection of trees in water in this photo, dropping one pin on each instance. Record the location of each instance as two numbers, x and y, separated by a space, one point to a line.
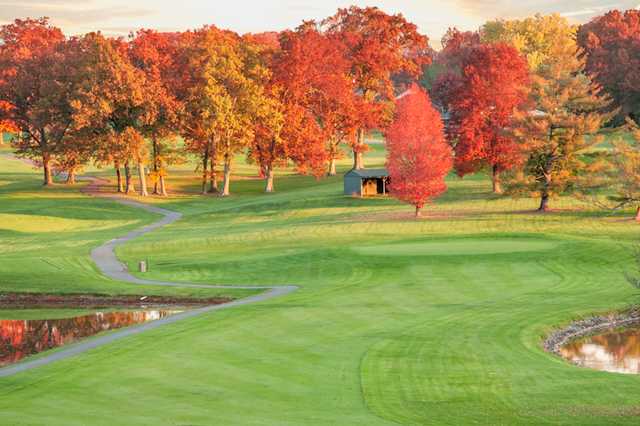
21 338
614 351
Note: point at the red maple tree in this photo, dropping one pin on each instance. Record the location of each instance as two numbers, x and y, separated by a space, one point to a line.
418 156
612 49
312 72
493 85
379 47
448 65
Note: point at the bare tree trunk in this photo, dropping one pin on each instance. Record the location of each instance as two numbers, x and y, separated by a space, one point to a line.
71 176
46 165
205 164
1 138
143 180
332 167
227 176
130 187
497 183
544 202
269 180
418 212
119 179
163 187
638 215
213 178
154 141
358 161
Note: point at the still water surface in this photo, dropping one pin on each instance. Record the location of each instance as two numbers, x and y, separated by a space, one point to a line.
21 338
616 351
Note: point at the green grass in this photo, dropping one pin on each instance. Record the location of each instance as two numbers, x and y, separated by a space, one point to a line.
46 236
438 321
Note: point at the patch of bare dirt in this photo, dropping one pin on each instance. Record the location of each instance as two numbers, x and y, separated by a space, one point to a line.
72 301
410 215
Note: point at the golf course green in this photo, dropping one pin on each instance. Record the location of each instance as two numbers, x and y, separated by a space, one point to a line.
397 321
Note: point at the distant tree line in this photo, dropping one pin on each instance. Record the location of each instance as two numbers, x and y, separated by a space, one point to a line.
524 100
292 97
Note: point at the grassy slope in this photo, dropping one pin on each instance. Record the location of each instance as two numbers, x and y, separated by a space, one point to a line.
46 237
437 321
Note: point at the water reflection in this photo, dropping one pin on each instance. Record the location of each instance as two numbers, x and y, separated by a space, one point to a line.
21 338
614 351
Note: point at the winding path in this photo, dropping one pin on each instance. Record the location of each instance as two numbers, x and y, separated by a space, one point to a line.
106 260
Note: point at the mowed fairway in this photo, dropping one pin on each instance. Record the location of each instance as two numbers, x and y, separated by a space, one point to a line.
432 322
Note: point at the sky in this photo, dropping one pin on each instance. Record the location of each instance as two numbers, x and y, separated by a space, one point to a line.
433 17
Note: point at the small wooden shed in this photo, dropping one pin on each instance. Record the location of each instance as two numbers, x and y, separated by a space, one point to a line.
366 182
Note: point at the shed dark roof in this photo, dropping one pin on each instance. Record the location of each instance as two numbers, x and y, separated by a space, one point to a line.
369 173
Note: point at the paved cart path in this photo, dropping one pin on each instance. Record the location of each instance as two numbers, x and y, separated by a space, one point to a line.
106 260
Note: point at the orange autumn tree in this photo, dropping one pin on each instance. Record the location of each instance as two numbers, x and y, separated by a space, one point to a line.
6 125
418 157
559 137
113 105
34 89
379 47
491 88
154 53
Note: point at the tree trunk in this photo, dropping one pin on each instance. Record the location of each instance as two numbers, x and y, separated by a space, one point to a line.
544 203
1 138
205 164
497 183
358 162
269 179
638 215
163 187
227 176
213 178
143 180
119 179
418 212
71 177
46 165
332 167
156 183
130 187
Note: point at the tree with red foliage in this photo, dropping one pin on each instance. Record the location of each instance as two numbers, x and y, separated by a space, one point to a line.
611 44
447 66
312 74
379 46
492 87
33 88
418 157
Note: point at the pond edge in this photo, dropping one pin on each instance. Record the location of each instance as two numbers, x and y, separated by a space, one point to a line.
589 326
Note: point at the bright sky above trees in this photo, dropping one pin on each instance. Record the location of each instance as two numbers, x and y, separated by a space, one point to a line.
118 17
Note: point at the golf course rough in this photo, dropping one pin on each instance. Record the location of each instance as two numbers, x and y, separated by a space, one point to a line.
368 339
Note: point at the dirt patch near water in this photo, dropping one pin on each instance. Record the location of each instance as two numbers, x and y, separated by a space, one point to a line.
70 301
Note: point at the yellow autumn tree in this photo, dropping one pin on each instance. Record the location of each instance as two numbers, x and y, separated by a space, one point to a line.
558 137
624 176
538 37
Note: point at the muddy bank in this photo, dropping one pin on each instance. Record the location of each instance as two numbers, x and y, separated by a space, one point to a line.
589 326
71 301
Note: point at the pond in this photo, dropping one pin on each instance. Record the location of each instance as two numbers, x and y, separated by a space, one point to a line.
21 338
615 351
